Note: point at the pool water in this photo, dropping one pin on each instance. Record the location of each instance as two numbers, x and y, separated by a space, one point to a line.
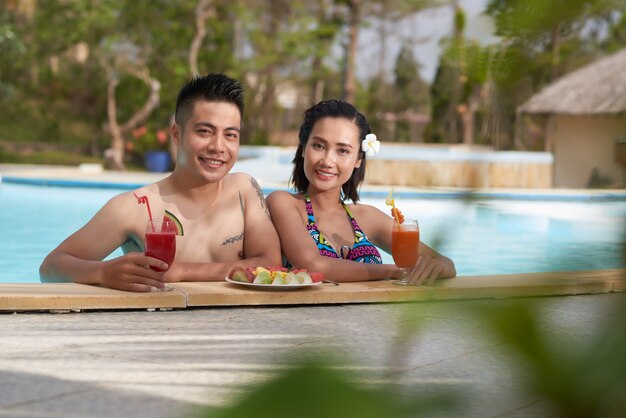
482 237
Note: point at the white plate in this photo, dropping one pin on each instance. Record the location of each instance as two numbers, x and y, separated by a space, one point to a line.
273 286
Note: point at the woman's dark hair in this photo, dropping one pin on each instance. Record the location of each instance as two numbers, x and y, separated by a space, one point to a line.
332 109
212 87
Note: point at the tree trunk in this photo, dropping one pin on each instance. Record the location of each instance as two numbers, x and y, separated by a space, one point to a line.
473 103
203 11
151 103
269 99
317 91
114 156
277 11
325 17
349 87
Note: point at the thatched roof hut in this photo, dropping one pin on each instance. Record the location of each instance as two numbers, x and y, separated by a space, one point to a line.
584 115
598 88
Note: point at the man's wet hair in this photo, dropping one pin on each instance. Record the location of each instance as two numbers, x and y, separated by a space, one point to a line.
212 87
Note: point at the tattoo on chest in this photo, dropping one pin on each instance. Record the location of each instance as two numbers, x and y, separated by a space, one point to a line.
233 240
259 194
243 210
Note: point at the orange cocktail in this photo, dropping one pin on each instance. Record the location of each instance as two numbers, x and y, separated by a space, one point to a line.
405 241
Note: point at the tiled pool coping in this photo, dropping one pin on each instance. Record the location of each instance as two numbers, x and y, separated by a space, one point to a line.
70 296
75 177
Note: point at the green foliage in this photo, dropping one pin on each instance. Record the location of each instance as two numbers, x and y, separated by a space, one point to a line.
411 91
587 382
539 31
267 44
316 389
445 96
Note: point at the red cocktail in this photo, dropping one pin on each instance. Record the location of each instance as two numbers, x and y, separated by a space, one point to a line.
405 244
161 242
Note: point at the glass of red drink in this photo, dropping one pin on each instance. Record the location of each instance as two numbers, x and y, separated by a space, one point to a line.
160 242
405 244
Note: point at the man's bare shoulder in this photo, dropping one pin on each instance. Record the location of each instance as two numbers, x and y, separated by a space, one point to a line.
238 179
122 199
130 202
245 183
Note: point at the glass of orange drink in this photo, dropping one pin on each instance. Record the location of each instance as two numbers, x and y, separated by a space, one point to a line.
405 244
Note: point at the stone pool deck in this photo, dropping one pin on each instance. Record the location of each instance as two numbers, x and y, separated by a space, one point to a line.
166 364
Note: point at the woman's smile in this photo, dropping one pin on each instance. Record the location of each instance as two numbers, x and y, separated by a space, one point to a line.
325 175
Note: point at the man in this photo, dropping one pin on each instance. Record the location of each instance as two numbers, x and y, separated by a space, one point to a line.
224 216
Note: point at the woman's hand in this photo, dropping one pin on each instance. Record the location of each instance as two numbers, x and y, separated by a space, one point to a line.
428 269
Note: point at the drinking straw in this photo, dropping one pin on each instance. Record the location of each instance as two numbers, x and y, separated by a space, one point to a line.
144 199
391 202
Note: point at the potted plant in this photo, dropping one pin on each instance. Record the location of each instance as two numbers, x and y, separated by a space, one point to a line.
152 147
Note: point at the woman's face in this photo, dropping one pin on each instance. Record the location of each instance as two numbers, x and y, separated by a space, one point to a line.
331 153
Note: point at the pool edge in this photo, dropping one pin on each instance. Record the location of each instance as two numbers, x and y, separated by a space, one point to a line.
54 297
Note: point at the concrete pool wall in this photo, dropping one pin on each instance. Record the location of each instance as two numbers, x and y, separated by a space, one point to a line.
459 166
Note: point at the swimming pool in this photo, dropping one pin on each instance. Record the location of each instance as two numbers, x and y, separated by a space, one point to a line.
482 237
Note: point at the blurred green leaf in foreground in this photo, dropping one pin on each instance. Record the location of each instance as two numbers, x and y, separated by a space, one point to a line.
580 381
314 389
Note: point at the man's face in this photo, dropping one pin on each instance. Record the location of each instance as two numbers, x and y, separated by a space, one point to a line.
208 144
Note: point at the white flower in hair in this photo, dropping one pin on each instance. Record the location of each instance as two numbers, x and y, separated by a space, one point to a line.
370 145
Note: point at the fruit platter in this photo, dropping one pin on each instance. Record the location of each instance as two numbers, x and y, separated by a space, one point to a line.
274 278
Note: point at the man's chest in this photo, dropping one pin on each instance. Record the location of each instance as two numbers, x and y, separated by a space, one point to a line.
212 238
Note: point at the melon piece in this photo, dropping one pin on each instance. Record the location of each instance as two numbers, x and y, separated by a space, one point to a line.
260 269
291 278
177 224
263 277
280 279
304 277
240 275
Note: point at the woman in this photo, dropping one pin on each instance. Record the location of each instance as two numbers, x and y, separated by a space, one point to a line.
317 230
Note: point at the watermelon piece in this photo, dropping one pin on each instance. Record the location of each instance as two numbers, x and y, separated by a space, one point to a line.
177 224
316 276
277 268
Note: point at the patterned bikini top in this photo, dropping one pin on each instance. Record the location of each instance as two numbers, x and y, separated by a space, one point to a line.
363 250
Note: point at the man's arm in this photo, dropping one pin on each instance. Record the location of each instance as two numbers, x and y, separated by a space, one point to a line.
261 243
79 257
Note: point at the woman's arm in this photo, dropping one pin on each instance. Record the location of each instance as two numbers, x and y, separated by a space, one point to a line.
430 265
